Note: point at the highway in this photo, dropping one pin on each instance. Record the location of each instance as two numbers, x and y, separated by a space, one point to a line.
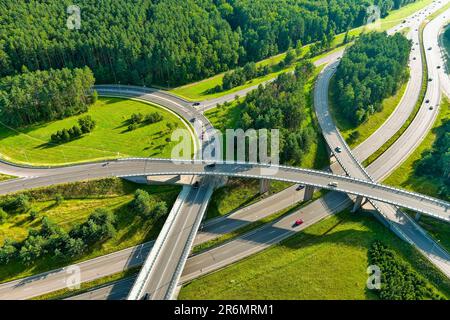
437 27
400 222
166 261
331 207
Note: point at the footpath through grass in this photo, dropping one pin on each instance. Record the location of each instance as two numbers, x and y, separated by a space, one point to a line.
405 176
326 261
81 199
110 138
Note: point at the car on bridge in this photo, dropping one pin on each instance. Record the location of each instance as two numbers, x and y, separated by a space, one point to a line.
298 222
333 184
210 166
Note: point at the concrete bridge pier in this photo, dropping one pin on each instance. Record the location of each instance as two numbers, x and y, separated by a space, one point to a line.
309 191
358 203
264 186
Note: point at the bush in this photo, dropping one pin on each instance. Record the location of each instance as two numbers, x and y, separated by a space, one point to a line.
136 118
34 214
98 227
59 199
87 124
142 203
3 215
160 209
8 252
132 127
153 117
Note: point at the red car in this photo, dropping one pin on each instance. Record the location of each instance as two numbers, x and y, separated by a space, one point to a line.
298 222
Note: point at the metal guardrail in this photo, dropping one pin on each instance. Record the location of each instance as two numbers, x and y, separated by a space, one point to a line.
187 247
301 170
139 285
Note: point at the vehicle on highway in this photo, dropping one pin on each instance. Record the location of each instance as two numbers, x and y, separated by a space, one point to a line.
429 48
300 187
338 149
193 120
333 184
427 101
431 79
211 166
146 297
298 222
431 108
196 104
438 67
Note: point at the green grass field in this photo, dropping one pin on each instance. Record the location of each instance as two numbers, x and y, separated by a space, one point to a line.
367 128
199 90
326 261
110 138
405 177
237 194
131 229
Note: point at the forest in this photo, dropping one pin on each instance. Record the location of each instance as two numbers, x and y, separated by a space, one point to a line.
167 42
373 69
282 105
33 97
435 163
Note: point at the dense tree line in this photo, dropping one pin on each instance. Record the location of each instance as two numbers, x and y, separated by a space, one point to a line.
373 69
435 163
282 105
398 280
167 42
39 96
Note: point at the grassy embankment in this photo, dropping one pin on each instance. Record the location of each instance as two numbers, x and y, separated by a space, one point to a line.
406 177
81 199
110 138
325 261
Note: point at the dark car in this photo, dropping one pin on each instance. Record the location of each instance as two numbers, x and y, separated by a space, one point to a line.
211 166
196 104
300 187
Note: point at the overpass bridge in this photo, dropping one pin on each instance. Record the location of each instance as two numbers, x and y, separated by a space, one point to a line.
311 178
